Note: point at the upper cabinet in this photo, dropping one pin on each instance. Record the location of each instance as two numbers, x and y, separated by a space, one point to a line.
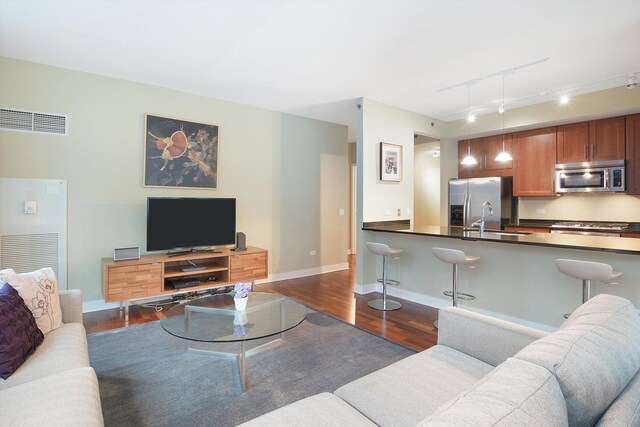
607 139
485 150
535 161
633 154
573 143
593 141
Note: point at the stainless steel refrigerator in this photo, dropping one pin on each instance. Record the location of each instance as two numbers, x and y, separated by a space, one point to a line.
466 197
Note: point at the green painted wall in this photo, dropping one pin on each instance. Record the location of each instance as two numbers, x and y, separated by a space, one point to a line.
289 174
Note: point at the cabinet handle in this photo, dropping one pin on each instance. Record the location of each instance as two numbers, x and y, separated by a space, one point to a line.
595 151
585 151
485 162
592 156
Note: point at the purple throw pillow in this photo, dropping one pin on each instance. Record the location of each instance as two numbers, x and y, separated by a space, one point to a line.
19 333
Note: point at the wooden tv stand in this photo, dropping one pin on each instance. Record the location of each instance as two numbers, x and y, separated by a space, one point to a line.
150 275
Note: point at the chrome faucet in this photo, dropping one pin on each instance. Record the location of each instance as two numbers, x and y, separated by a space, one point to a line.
480 223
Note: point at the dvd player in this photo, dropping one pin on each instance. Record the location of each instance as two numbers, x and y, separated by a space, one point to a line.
184 283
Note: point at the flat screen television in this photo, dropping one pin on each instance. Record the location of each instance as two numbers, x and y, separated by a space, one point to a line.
184 223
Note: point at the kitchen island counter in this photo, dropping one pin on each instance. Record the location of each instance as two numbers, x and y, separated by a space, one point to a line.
515 277
565 241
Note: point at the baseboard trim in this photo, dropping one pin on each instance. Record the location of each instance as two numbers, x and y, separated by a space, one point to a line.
97 305
442 302
304 273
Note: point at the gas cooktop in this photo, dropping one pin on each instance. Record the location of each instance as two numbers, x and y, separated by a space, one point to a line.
592 225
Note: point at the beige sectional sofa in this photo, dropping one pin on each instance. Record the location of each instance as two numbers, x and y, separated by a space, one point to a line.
489 372
55 386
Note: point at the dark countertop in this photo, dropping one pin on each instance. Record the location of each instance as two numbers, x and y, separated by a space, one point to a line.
619 245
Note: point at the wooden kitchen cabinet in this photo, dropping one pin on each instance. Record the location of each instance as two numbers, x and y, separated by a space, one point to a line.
485 150
633 154
573 143
597 140
535 162
607 138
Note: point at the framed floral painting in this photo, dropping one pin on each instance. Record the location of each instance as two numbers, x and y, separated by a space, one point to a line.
390 162
181 154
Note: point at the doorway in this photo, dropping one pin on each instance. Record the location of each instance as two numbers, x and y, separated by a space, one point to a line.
426 188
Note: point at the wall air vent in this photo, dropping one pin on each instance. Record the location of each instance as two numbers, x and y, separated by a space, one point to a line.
31 121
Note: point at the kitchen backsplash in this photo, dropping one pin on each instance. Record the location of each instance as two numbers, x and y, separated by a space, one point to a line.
582 207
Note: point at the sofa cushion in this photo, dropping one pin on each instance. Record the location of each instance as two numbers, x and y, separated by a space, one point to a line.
593 357
63 349
70 398
321 410
39 290
408 391
19 334
625 410
516 393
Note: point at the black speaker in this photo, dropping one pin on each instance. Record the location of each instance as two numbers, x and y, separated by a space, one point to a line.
241 242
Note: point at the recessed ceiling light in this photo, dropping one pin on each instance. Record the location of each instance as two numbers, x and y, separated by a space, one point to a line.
564 99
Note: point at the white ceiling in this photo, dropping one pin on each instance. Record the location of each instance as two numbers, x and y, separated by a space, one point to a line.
314 58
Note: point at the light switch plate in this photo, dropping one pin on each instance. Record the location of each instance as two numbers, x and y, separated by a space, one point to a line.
30 207
341 212
387 212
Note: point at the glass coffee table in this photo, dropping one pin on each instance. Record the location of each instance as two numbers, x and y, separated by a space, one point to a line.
214 319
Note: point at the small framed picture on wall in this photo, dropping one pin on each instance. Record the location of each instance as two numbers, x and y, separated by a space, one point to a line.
390 162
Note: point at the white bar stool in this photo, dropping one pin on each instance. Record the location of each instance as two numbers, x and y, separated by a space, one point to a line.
455 257
586 271
384 251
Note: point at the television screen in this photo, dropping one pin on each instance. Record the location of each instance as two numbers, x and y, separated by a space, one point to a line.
190 222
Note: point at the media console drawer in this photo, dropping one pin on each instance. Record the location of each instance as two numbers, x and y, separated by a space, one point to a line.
248 266
133 281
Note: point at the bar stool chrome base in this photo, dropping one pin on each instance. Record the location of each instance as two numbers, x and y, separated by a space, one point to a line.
390 282
461 295
384 305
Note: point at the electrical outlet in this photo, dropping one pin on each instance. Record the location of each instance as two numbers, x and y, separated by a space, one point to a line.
409 212
399 212
387 212
541 211
341 212
312 253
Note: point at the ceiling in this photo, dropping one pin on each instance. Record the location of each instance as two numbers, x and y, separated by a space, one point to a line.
314 58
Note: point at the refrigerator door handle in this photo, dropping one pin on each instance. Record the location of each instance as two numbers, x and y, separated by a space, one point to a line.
465 210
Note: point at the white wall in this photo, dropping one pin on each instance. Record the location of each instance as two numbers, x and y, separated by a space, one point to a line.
289 174
377 123
426 192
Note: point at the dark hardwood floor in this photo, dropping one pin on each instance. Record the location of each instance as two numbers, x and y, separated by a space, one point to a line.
330 293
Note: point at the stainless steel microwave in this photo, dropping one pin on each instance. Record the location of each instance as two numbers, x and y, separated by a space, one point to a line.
590 177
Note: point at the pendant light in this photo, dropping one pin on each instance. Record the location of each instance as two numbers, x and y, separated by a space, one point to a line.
469 160
503 156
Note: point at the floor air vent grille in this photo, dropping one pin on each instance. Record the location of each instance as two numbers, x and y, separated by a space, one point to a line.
30 121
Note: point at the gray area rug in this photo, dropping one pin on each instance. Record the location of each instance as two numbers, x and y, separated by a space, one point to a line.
147 379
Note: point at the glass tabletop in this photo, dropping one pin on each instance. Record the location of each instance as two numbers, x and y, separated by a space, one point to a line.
215 319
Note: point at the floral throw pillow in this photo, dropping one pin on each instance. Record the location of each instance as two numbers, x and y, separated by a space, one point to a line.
39 290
